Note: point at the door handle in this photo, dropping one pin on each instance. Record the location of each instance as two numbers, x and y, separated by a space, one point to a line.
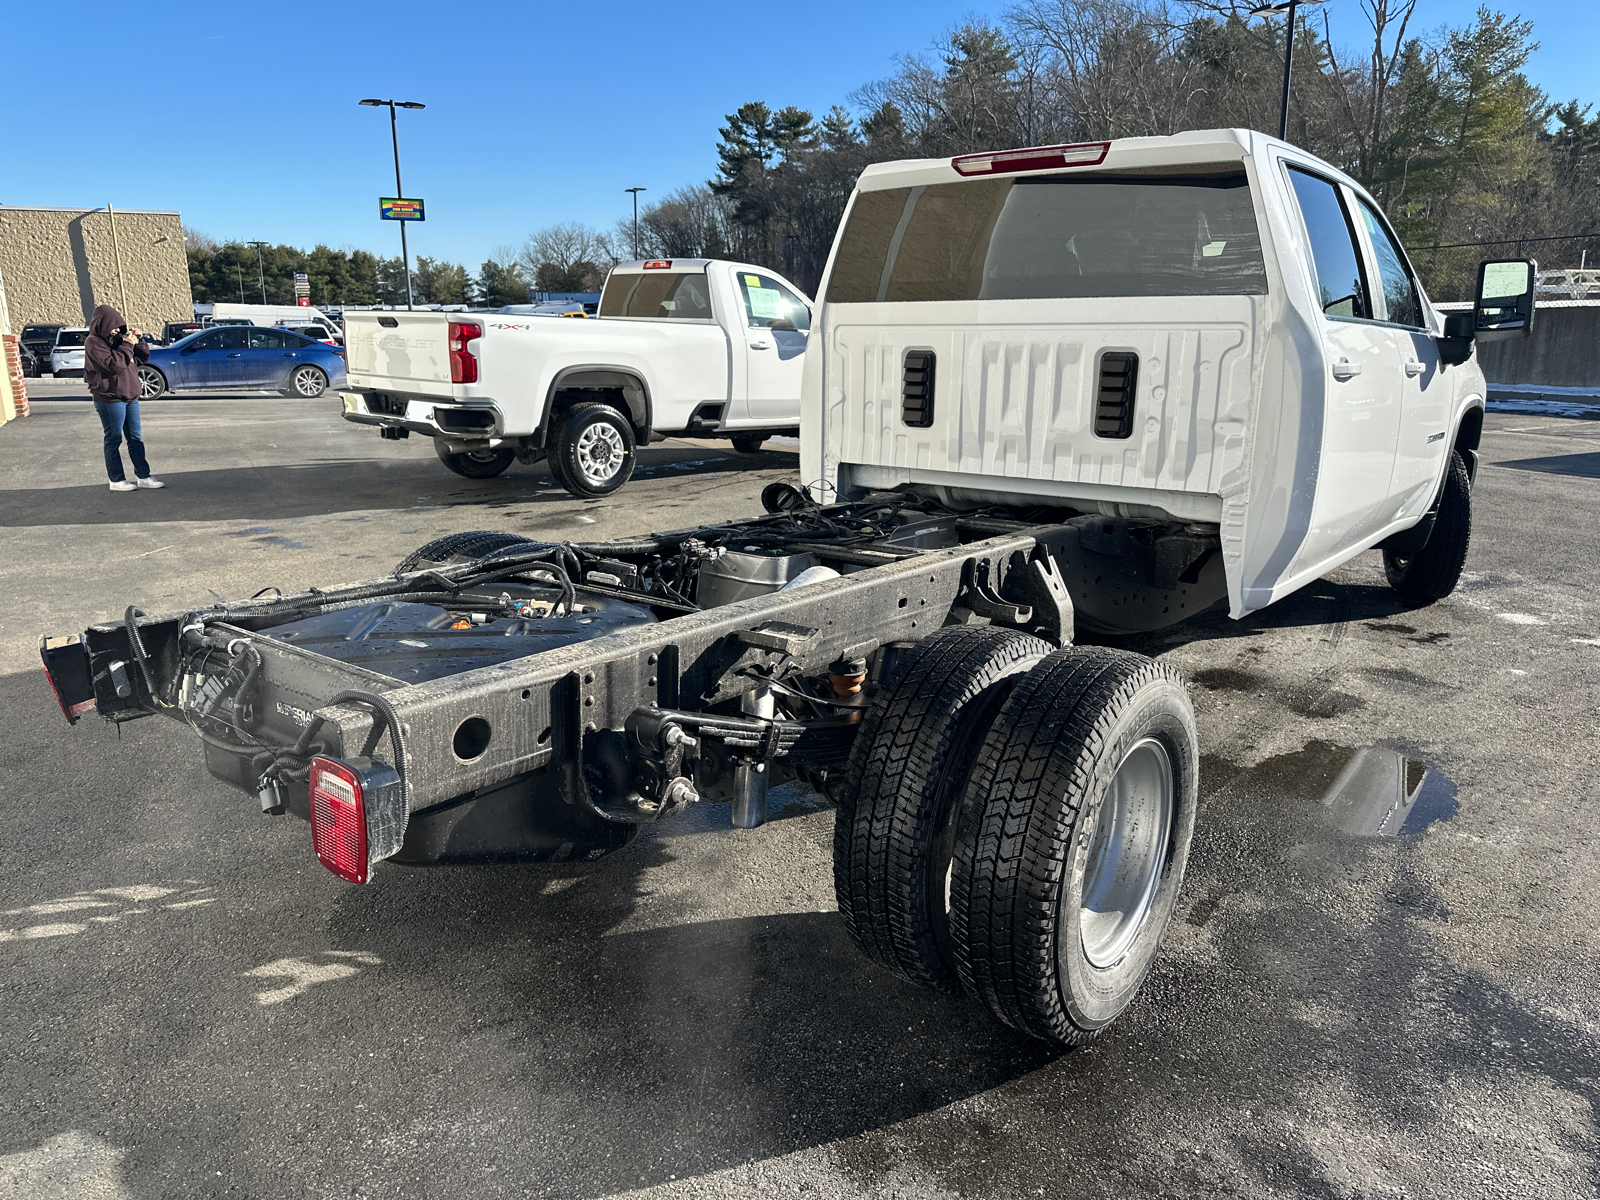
1413 368
761 345
1343 368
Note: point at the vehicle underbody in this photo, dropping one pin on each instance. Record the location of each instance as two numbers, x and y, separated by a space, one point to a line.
544 699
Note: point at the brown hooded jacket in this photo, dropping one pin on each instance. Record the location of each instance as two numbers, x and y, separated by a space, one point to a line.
111 364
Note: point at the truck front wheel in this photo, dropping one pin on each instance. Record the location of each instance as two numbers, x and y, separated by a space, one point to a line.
896 825
475 464
591 450
1432 573
1074 833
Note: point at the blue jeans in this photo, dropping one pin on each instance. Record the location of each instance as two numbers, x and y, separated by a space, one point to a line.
120 418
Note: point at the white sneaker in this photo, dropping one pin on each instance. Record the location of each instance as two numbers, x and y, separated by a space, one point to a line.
149 482
122 485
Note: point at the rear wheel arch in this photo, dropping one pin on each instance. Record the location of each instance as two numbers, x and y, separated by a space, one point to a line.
620 387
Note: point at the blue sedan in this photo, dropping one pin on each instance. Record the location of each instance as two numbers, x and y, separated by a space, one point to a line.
243 356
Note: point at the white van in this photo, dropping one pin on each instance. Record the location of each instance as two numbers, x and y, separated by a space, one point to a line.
275 314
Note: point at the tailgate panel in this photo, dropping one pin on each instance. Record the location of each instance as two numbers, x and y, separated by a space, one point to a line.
402 351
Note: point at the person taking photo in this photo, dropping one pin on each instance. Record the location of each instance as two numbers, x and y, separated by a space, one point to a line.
111 356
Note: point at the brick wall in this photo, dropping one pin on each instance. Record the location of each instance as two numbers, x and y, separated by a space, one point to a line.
19 383
59 263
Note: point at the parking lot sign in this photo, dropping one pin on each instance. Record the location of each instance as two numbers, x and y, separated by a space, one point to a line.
393 208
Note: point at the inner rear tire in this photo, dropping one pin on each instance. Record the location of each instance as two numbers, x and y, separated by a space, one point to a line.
590 450
458 548
475 464
1074 834
1432 573
894 832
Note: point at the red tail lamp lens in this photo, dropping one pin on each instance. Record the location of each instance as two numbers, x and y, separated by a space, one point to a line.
463 364
339 819
1036 158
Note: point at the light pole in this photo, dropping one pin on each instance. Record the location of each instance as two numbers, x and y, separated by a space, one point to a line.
261 271
1273 9
399 191
635 192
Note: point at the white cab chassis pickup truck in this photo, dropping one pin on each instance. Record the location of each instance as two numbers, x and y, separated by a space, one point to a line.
1100 386
695 346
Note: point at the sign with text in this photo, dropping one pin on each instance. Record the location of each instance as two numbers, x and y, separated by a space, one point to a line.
393 208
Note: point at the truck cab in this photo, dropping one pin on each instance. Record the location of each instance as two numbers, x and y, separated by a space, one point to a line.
1213 329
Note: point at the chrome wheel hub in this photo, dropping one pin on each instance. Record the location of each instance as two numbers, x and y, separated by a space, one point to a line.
1127 854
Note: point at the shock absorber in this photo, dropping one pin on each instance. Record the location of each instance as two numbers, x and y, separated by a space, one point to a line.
750 779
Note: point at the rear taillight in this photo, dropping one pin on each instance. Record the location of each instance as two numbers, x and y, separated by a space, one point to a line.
66 666
1036 158
463 364
358 814
339 819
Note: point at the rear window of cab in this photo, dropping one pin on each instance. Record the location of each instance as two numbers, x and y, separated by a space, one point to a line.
1053 236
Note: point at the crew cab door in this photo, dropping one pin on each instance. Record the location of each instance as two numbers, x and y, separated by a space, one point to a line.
1363 378
776 324
1423 436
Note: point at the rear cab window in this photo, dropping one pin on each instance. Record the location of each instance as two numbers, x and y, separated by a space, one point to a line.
658 296
1191 232
69 339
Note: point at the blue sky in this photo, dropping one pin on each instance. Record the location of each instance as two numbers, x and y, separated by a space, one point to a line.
537 113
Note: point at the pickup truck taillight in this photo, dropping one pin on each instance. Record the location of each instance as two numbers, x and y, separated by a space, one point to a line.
358 812
463 365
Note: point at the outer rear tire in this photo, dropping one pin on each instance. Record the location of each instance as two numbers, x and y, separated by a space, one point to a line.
1055 929
591 450
458 548
475 464
896 824
1432 573
748 445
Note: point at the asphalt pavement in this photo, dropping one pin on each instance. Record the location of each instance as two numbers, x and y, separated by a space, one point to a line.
1358 998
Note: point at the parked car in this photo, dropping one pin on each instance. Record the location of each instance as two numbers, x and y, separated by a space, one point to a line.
243 356
174 331
66 355
27 360
317 333
41 339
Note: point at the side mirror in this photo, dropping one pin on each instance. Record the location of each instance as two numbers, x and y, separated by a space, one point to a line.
783 323
1504 302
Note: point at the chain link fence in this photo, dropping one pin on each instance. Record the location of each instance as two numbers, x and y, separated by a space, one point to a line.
1569 267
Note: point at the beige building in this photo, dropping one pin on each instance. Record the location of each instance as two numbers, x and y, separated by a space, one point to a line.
58 263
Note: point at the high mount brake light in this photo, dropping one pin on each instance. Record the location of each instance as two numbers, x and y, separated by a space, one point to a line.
1035 158
358 814
463 363
658 264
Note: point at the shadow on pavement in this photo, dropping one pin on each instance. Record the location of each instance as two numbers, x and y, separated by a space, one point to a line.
269 493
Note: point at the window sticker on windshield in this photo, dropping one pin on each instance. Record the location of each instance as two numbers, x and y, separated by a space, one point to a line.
753 280
765 302
1212 249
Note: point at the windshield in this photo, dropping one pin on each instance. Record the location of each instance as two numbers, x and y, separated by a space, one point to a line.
1053 236
68 338
676 295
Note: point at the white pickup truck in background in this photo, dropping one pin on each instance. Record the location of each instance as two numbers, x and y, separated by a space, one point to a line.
681 346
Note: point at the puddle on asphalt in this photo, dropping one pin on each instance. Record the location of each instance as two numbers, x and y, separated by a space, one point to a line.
1368 791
